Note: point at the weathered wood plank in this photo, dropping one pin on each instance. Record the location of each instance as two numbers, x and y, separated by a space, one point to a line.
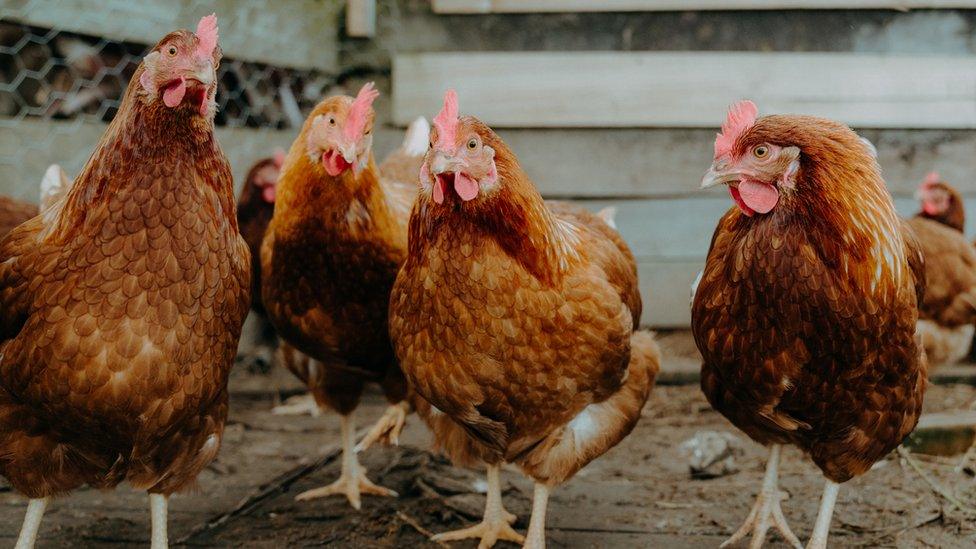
646 163
33 144
681 229
292 33
541 6
361 18
666 291
687 89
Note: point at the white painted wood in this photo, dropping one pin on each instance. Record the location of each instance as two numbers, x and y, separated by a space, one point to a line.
666 292
541 6
297 33
687 89
361 18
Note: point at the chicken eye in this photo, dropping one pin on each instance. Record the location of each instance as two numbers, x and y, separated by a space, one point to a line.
171 50
473 144
761 151
332 121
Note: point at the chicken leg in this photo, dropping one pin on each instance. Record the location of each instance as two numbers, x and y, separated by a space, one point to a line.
298 405
535 538
387 429
819 538
32 523
496 523
157 513
766 507
352 481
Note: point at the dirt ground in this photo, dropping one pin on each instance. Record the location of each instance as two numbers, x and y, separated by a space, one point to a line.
640 494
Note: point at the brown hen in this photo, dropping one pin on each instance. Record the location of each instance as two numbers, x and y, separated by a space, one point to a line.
13 212
331 253
805 314
945 319
948 311
121 305
941 202
255 206
514 321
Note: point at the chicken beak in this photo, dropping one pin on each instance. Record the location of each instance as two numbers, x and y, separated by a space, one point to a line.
348 152
443 163
719 174
204 73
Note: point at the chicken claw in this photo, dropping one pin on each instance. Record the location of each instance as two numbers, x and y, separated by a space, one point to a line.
489 530
387 429
298 405
767 507
758 522
496 522
352 480
349 486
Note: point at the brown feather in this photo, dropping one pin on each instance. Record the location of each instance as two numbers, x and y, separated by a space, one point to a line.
511 317
805 317
120 312
329 258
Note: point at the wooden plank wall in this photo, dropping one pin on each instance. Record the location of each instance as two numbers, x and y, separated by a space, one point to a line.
632 129
540 6
288 33
688 89
618 98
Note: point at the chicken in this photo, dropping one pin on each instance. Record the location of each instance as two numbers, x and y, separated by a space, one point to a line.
805 313
255 205
328 261
948 311
514 320
121 305
941 202
949 270
13 212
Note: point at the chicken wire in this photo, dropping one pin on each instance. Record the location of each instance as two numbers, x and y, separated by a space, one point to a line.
58 84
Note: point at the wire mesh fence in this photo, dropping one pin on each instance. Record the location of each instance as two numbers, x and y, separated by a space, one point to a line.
59 87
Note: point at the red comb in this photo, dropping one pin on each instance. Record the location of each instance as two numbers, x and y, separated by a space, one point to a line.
931 179
446 122
278 157
356 119
207 35
741 117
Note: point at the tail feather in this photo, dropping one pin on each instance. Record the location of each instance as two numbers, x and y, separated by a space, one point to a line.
609 216
54 185
417 138
600 426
